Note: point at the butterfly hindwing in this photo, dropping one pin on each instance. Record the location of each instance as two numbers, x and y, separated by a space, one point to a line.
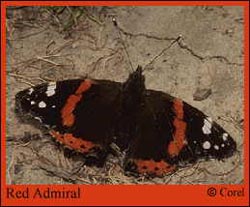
171 133
148 153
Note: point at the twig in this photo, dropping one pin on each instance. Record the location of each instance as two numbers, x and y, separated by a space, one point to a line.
22 79
57 50
29 35
92 18
48 61
10 166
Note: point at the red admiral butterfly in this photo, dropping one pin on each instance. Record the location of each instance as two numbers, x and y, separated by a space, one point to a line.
158 132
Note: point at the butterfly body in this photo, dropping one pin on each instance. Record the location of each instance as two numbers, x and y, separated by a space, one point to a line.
158 132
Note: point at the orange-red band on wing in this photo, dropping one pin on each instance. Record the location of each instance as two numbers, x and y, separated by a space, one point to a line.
75 143
179 142
67 115
152 167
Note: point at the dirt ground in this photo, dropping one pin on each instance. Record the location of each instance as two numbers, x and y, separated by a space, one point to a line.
54 43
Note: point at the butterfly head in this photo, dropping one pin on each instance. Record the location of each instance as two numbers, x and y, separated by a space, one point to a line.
135 81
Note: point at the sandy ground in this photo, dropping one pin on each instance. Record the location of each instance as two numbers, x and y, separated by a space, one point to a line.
205 69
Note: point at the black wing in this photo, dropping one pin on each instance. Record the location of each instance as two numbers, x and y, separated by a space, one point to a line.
170 133
81 114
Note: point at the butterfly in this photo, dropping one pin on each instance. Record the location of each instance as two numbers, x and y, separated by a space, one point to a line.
158 132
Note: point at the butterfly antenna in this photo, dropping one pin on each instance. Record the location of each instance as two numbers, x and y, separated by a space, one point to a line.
162 52
123 43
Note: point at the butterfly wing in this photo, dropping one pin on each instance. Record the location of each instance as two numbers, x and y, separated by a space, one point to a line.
171 133
79 113
205 138
159 132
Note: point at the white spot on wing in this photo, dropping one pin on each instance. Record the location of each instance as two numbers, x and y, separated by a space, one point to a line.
30 91
206 145
224 136
42 104
32 102
216 147
51 89
207 125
